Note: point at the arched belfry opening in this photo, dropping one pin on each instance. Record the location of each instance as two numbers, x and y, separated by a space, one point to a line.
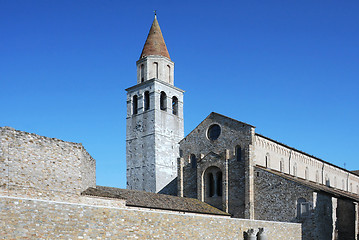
213 186
163 101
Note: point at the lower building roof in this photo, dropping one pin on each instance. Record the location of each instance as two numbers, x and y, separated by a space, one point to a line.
144 199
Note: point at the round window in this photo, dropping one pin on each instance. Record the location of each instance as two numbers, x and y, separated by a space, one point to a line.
214 131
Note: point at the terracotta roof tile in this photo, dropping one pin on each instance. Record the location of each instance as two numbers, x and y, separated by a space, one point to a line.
155 44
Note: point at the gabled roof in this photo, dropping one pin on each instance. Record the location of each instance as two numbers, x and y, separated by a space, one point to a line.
214 115
155 44
154 200
313 185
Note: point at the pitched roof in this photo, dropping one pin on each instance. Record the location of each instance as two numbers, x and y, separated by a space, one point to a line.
143 199
155 44
313 185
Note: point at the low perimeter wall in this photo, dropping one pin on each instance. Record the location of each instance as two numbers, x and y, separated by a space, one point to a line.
24 218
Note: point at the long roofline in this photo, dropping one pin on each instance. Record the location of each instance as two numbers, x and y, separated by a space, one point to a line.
307 154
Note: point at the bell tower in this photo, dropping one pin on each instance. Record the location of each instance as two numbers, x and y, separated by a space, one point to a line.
154 118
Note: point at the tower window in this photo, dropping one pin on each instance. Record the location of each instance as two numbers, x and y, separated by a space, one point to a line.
193 161
163 101
238 153
156 69
169 73
134 104
147 100
174 105
142 72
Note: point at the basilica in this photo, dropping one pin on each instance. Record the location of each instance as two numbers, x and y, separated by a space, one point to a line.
221 181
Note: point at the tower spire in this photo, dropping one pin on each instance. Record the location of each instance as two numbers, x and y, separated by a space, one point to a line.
155 44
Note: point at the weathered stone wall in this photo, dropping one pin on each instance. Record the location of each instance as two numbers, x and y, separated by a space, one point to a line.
236 191
277 156
43 219
31 161
152 137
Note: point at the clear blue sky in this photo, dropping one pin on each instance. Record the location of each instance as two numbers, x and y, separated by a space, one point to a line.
290 68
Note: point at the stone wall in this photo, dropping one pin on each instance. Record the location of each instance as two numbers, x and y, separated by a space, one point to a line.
222 154
152 136
44 219
31 161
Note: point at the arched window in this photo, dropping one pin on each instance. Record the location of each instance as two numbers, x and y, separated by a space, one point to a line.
174 105
281 165
142 73
327 180
238 153
295 169
214 182
335 181
267 160
147 100
156 69
306 173
163 101
134 104
317 176
193 161
211 184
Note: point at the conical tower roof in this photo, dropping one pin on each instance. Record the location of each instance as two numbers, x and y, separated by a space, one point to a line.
155 44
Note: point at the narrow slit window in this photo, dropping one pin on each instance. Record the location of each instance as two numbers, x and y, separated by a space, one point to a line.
142 72
156 69
174 106
238 153
134 104
147 101
193 161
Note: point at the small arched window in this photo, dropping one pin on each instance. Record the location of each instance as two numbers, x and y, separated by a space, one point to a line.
163 101
281 165
134 104
156 69
147 100
327 180
193 161
174 105
307 173
238 153
142 72
267 160
317 176
295 169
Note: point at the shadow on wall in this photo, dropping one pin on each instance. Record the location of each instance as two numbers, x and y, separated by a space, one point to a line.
170 189
255 234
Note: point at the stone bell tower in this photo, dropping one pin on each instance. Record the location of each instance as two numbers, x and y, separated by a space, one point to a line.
154 118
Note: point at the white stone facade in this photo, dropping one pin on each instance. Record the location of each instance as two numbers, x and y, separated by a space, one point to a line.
154 126
277 156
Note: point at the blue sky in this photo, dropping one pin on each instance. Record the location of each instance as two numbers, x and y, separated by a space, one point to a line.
290 68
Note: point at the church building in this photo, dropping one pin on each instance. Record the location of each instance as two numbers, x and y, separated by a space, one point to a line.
225 163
